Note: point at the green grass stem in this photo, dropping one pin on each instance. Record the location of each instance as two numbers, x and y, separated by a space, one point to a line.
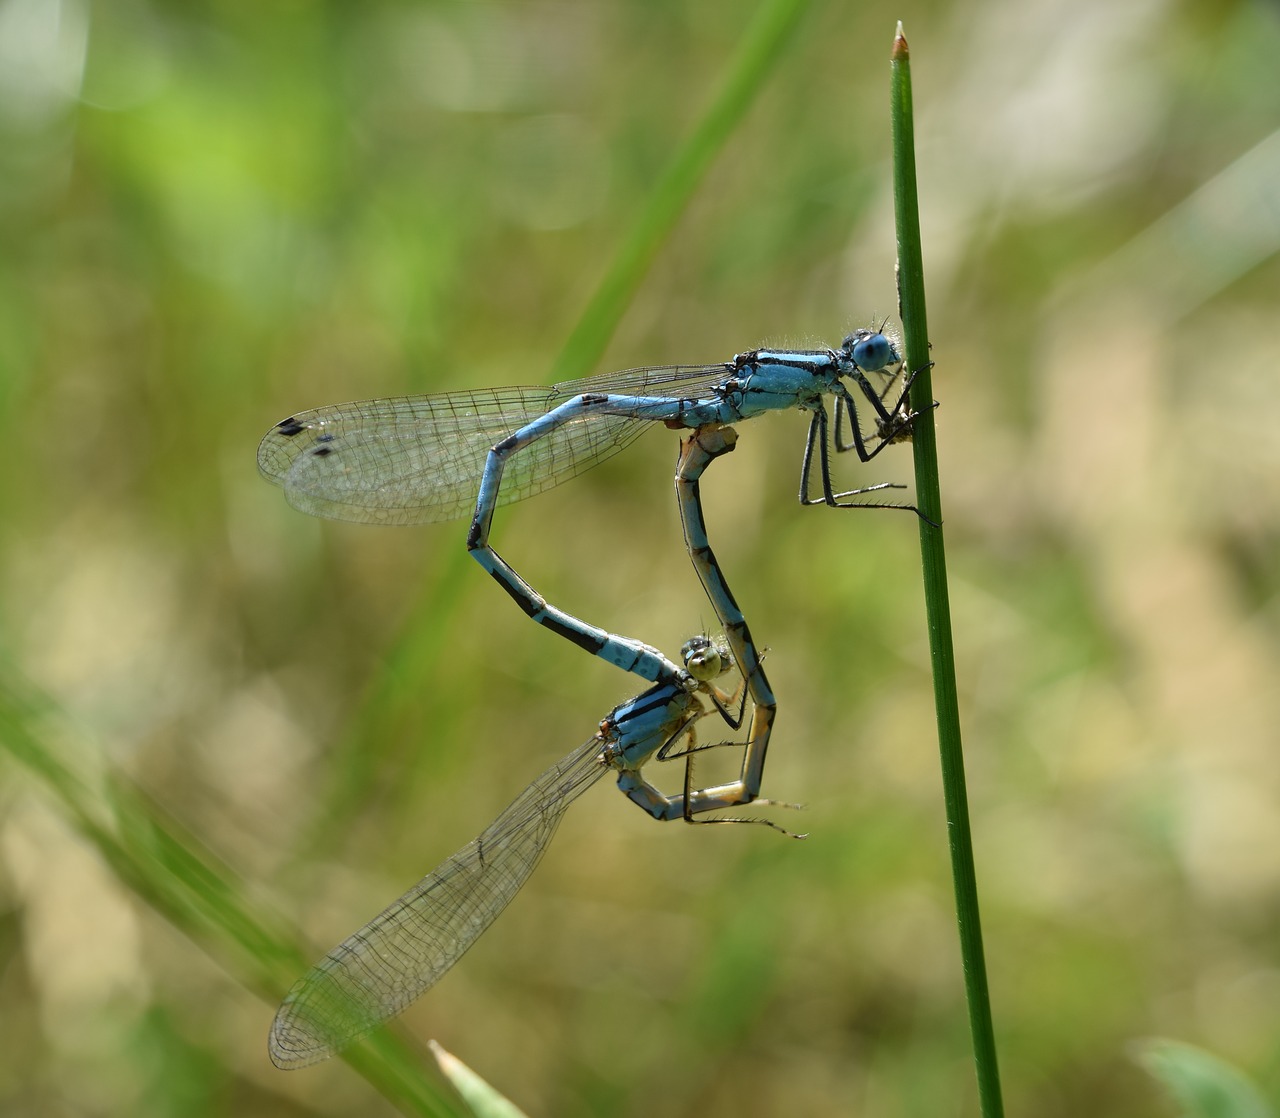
933 558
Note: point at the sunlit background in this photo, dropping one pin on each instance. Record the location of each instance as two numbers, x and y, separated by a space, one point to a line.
215 214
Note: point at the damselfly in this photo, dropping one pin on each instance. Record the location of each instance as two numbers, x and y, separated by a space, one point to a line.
377 972
418 459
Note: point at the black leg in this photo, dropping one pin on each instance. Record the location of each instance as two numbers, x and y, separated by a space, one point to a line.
818 437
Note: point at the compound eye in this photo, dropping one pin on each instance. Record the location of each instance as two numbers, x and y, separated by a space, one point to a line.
702 659
874 352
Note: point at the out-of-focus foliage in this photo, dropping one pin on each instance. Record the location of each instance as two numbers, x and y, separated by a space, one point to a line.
213 214
1202 1085
482 1100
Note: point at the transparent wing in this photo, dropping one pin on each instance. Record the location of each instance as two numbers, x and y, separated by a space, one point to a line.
418 459
395 958
676 381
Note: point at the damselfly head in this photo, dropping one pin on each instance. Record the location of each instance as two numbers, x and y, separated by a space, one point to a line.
870 350
705 659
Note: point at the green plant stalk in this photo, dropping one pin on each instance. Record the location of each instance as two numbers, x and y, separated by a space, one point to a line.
915 328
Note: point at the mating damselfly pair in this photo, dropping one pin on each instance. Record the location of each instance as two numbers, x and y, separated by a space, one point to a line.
419 459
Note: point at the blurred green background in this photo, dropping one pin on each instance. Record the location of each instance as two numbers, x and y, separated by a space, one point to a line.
214 214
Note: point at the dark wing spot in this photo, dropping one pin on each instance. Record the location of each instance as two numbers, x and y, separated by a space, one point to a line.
290 427
323 451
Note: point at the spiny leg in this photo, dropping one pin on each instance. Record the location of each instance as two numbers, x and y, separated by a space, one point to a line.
892 424
818 439
690 794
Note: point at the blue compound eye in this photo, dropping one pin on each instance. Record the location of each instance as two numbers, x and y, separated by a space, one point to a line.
874 352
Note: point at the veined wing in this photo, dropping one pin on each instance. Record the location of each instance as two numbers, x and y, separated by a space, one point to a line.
677 381
418 459
401 460
395 958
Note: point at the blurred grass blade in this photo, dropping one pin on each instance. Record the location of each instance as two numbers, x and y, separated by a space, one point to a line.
1203 1085
1223 229
187 884
483 1100
933 560
371 738
757 56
